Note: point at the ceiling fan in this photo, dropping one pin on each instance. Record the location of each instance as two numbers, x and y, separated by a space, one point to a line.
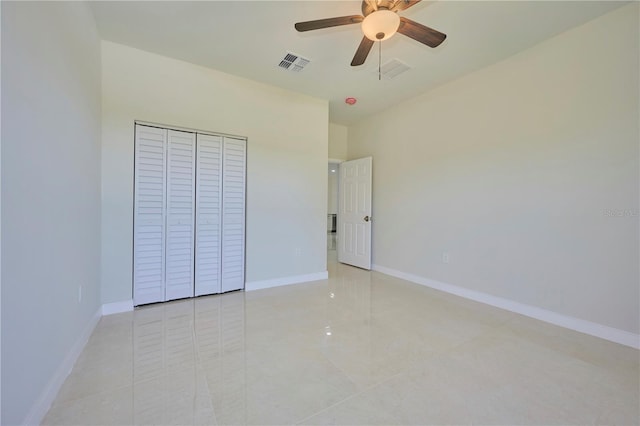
380 21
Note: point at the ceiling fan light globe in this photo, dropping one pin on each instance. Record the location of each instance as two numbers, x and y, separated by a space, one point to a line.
379 22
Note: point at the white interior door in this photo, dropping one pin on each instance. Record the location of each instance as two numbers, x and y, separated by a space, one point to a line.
208 214
189 214
180 215
354 215
233 213
149 215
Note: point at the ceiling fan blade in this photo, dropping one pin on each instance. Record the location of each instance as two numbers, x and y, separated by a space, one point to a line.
404 4
362 52
419 32
327 23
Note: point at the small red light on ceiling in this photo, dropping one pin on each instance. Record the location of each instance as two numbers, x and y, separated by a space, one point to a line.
350 101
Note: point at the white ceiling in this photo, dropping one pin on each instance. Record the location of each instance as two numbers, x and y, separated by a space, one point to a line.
249 38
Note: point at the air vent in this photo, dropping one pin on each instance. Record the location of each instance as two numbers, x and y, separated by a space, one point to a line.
293 62
393 68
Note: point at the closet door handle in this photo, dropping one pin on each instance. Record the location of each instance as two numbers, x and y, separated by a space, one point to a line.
367 218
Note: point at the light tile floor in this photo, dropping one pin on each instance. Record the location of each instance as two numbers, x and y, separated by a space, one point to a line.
359 348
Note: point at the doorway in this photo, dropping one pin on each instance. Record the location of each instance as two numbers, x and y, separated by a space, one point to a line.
333 173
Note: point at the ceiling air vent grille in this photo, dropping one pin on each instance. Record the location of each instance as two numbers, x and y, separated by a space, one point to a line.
393 68
293 62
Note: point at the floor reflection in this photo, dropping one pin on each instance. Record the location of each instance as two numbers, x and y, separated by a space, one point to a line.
358 348
189 361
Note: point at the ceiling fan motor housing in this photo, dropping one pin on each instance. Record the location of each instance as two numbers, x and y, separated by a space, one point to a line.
370 6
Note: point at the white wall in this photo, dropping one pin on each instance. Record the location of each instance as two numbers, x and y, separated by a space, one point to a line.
514 169
0 240
287 159
338 138
50 197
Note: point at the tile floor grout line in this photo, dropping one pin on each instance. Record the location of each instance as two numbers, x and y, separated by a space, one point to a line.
368 388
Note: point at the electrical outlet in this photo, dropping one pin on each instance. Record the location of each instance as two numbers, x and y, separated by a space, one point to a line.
298 252
445 257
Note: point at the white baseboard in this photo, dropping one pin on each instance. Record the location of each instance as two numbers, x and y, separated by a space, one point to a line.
583 326
296 279
117 307
42 405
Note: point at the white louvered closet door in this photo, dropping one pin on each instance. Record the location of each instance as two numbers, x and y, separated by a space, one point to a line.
208 214
149 214
181 174
233 213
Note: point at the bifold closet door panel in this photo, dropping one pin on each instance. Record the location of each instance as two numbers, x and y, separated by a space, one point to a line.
233 213
181 175
208 214
149 215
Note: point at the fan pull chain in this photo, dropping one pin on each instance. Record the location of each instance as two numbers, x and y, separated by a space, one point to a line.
379 60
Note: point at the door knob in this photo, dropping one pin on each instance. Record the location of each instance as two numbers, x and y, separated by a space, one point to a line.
367 218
